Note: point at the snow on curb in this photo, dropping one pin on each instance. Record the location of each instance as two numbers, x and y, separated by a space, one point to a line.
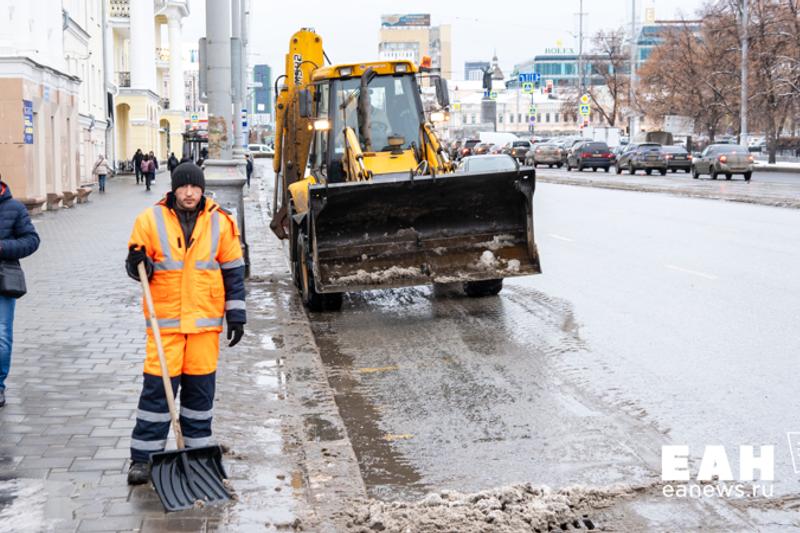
522 507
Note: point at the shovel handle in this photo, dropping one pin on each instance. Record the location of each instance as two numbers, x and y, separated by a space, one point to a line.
151 311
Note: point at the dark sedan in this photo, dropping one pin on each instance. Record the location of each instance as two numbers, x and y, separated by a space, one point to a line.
677 158
592 155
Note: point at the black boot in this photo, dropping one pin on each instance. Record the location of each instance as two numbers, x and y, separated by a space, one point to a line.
2 397
139 473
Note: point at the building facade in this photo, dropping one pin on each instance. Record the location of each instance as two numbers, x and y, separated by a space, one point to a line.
40 152
148 80
473 70
412 36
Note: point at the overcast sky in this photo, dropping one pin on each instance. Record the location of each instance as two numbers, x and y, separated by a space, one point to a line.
518 30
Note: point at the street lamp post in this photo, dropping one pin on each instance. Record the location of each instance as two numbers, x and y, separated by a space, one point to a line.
743 134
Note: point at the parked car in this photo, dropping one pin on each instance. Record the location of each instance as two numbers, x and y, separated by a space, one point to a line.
517 149
544 154
592 155
467 146
260 150
643 156
727 159
677 158
496 149
482 148
487 163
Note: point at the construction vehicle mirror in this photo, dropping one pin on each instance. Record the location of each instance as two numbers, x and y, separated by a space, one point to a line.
442 95
306 103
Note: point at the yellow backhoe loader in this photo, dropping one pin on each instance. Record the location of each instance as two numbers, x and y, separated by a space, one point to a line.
367 195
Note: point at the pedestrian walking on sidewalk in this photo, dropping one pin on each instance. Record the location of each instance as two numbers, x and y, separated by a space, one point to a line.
154 159
101 170
148 170
138 157
192 255
249 168
172 163
18 239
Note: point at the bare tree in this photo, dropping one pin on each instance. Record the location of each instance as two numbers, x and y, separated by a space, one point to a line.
609 79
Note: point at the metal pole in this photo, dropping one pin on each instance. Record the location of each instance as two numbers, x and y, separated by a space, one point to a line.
236 34
218 28
245 93
580 49
743 133
632 91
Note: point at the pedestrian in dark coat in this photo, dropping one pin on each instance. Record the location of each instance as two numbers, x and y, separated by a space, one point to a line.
137 164
18 239
249 168
172 162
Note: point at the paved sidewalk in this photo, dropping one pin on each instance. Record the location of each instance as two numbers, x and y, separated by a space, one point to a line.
76 376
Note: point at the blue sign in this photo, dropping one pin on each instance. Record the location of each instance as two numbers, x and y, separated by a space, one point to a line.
27 120
584 110
533 77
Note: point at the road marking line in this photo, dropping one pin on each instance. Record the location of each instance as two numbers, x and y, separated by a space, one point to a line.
560 238
693 272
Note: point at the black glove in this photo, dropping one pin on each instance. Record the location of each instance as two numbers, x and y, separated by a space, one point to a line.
136 256
235 331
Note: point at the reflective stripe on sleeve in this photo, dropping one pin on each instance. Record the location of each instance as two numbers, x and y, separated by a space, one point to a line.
235 304
232 264
148 445
208 322
196 415
150 416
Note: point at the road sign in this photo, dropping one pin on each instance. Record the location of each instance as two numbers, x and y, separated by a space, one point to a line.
527 87
533 77
456 106
532 110
584 110
532 119
493 95
585 99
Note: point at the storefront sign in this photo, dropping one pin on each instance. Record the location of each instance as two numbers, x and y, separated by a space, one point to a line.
27 121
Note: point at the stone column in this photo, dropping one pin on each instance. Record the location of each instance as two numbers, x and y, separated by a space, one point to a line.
176 88
142 45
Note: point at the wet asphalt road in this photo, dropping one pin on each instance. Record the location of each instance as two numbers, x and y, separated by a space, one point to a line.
759 176
658 320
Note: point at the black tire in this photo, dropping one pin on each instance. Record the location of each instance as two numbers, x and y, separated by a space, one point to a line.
687 170
619 170
550 166
747 176
580 167
649 171
631 170
569 168
312 299
478 289
674 170
594 169
728 176
713 173
535 164
664 171
608 169
559 165
695 173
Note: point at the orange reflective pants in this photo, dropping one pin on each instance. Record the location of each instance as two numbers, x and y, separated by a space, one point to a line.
194 353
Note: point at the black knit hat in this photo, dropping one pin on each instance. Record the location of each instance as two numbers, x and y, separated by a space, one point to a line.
188 174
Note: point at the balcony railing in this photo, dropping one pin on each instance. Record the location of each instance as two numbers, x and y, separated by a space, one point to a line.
124 79
120 8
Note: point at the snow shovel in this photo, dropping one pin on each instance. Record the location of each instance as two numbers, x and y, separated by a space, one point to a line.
184 477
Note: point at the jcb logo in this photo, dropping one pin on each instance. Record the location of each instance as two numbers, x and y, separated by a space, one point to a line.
298 74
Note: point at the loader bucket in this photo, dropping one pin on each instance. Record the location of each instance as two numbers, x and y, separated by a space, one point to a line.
398 231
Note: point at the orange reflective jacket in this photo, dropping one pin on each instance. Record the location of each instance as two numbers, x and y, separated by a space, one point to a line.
187 284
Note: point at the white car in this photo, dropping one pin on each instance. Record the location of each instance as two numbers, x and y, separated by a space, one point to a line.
260 150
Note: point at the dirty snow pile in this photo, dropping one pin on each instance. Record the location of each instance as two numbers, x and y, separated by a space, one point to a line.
22 504
502 510
369 278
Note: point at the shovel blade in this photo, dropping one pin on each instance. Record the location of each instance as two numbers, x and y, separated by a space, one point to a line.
182 478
